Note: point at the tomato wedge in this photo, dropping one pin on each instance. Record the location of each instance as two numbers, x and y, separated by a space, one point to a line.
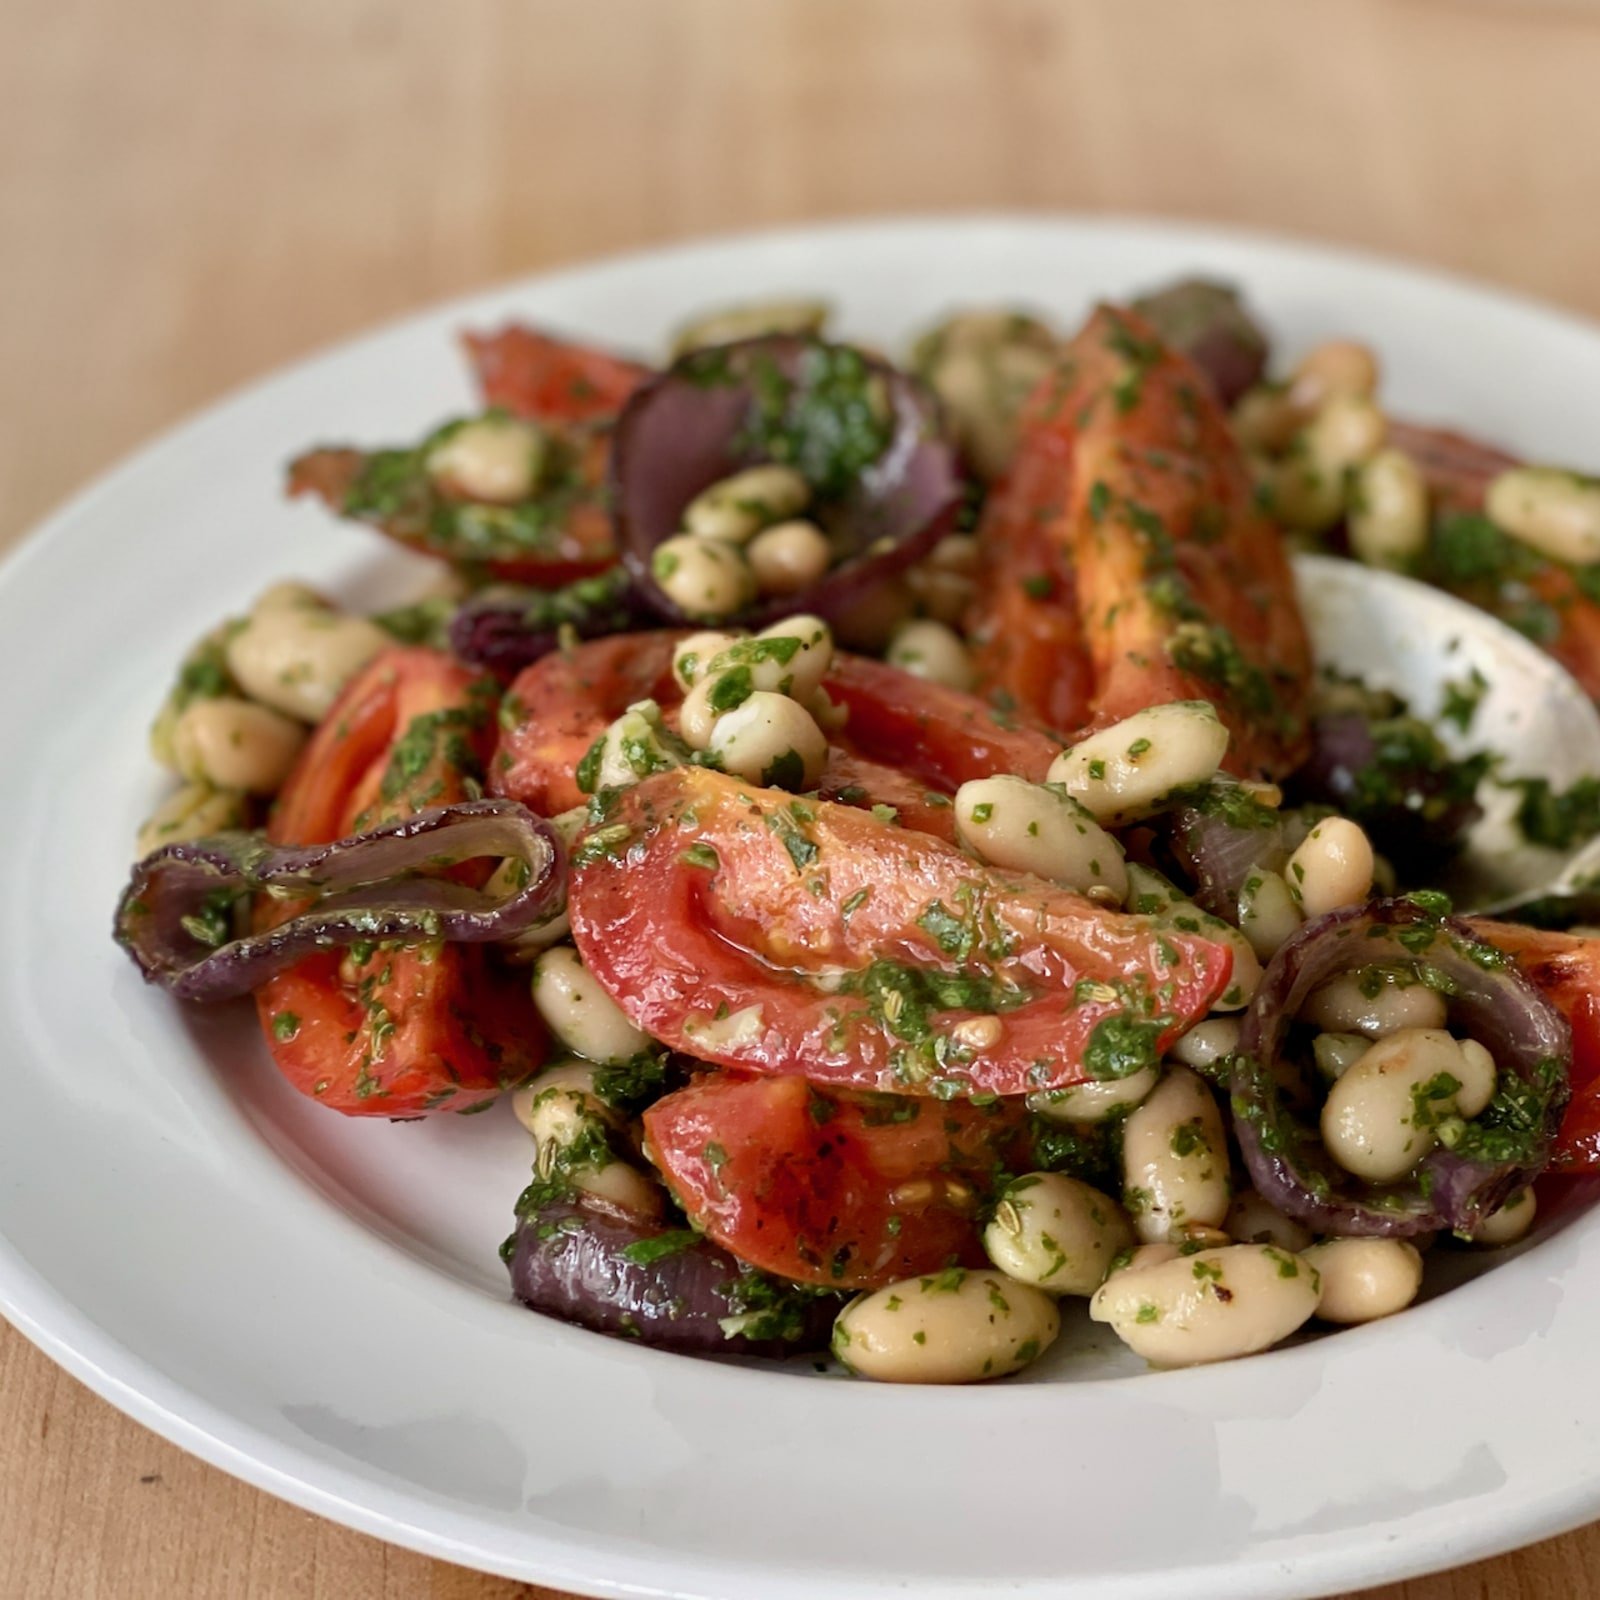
394 1030
1566 970
547 379
789 936
841 1189
1130 514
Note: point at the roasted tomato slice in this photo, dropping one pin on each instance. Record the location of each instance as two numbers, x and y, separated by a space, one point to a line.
780 935
547 379
1130 516
394 1030
828 1187
1566 970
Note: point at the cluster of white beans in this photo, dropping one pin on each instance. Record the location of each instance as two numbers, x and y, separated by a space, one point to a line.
1182 1263
1319 443
283 666
750 320
494 458
742 537
574 1130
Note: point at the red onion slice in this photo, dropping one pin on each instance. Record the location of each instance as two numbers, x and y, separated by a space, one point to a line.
701 420
1457 1188
175 918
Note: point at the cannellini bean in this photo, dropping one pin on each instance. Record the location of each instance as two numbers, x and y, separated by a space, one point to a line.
1309 486
1056 1233
697 716
1331 868
1268 915
579 1012
193 812
297 658
633 747
734 509
1364 1279
1131 769
490 458
1026 827
791 657
235 744
1144 1255
1336 1053
1206 1042
789 556
1149 894
1175 1158
749 322
692 657
770 739
1556 512
1335 367
705 578
290 595
930 650
1251 1220
1266 419
944 584
1375 1001
953 1327
1094 1100
1212 1306
1382 1113
1509 1223
1388 519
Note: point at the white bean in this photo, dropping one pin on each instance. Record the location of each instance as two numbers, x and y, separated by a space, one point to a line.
1556 512
296 659
1388 519
633 747
945 583
1336 1053
770 740
1364 1279
193 812
697 716
692 657
1309 487
705 578
791 657
1381 1115
953 1327
1376 1001
1025 827
1206 1042
1151 895
1095 1099
1175 1158
1212 1306
1335 367
579 1012
750 321
1131 769
735 508
490 458
930 650
235 744
290 595
789 556
1268 915
1057 1233
1331 868
1266 419
1251 1220
1509 1223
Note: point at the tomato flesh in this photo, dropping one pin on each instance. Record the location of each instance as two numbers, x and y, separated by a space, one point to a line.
550 380
847 1190
394 1031
788 936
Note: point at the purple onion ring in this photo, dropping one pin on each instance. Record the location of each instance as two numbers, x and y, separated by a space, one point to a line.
690 427
1454 1188
175 916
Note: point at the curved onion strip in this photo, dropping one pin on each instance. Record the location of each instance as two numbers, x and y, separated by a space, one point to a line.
692 426
505 632
1452 1188
175 917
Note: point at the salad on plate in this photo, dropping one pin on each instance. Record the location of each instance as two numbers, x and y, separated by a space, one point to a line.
884 828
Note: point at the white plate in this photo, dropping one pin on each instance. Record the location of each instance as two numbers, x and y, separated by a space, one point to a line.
316 1304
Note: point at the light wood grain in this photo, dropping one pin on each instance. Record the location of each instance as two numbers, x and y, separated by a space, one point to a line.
191 193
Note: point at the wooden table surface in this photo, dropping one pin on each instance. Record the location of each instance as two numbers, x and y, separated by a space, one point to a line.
192 193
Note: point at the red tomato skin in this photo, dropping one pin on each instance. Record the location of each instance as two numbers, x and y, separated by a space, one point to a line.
702 897
844 1190
547 379
414 1030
